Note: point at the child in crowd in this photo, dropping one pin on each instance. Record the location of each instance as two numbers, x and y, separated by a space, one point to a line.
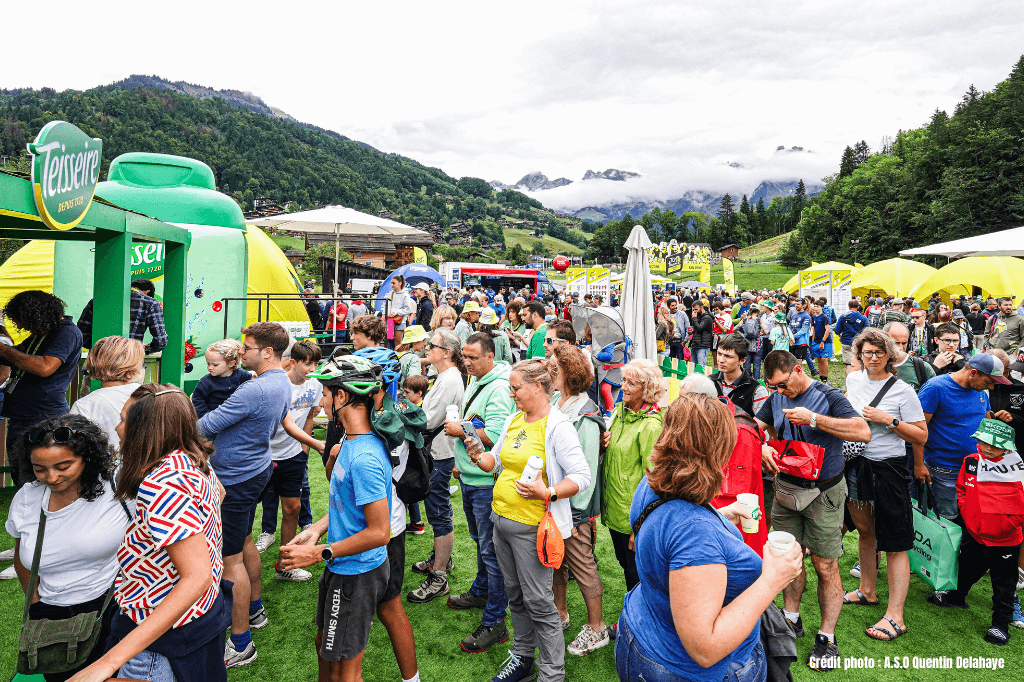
780 337
224 376
414 388
990 496
289 482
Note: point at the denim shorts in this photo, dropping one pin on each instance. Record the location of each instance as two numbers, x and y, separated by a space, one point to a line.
941 493
148 665
632 663
439 500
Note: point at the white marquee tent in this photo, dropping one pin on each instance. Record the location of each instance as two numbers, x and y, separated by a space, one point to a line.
1003 243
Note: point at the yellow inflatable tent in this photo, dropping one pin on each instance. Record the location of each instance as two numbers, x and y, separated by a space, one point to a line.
894 276
994 275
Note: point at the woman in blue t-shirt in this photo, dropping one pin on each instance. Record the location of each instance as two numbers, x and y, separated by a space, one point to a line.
700 585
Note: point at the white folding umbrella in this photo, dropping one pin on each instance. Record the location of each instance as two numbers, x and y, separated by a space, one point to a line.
637 305
1003 243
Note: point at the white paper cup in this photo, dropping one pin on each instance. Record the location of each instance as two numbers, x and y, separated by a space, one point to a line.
750 503
780 542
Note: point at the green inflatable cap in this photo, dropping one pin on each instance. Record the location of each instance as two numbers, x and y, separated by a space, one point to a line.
174 189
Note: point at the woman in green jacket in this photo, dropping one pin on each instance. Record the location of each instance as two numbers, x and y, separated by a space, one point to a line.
636 424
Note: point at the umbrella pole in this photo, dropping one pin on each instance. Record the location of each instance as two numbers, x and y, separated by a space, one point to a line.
337 255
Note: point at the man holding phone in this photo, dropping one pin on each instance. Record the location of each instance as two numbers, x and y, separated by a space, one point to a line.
486 405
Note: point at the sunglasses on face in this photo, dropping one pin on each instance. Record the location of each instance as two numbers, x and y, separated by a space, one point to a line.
781 386
548 341
61 435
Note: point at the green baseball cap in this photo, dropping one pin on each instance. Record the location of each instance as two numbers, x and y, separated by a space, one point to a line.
996 434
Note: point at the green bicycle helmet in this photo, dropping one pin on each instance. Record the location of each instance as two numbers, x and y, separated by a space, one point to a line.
350 372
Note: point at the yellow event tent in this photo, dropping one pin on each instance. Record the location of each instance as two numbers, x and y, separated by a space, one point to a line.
894 276
793 285
994 275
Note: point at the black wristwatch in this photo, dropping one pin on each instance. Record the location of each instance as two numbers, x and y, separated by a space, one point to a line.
894 424
327 555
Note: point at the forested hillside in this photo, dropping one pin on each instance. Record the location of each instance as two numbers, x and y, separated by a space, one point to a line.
958 176
253 155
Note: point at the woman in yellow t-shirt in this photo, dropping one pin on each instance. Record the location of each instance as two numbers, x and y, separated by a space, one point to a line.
535 430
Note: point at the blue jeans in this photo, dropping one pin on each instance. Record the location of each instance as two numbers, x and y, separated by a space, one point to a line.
439 500
700 356
476 502
148 665
270 502
633 664
941 493
675 349
414 513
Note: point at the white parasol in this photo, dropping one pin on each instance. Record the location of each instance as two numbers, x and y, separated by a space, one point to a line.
637 305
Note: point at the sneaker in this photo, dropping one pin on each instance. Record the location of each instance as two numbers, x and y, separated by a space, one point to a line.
516 669
7 555
566 622
293 575
264 541
855 571
613 630
453 488
466 601
797 627
1020 578
427 566
258 620
1018 617
942 599
236 659
436 585
415 528
997 636
484 637
588 640
8 573
824 656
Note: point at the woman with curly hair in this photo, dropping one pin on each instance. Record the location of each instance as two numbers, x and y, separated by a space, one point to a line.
41 366
695 615
171 614
68 461
636 423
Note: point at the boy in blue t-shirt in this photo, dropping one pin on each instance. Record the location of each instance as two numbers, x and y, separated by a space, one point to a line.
358 522
800 325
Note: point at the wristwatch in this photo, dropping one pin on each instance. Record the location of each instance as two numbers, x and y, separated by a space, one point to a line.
327 555
552 495
894 424
814 420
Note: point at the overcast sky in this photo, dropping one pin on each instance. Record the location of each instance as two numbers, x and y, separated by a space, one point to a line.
671 90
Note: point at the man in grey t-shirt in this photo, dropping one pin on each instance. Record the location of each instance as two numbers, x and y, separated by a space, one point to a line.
682 329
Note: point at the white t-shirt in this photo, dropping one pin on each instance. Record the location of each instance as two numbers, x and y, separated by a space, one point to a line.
80 543
900 401
304 396
103 407
7 342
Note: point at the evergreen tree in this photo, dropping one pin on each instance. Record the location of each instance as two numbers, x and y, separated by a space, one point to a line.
727 211
848 163
861 152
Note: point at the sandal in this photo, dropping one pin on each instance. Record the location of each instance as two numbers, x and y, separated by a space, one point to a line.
861 600
889 636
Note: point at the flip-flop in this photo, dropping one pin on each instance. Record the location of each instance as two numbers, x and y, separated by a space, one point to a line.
860 601
889 636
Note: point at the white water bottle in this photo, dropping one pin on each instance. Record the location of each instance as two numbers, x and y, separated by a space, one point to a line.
452 413
532 469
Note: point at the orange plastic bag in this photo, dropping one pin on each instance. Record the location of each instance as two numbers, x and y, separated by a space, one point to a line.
550 545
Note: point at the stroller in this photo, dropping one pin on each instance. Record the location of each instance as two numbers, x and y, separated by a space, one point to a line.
610 350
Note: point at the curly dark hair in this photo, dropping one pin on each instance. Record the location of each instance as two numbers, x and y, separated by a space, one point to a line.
88 441
36 311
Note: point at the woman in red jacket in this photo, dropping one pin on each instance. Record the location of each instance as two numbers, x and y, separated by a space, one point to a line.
990 495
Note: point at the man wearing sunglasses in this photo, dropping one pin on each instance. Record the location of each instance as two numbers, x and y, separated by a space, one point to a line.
802 409
558 332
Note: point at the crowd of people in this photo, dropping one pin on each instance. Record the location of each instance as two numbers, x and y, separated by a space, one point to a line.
148 497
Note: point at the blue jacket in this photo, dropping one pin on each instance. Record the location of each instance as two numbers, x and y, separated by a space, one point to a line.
849 325
244 424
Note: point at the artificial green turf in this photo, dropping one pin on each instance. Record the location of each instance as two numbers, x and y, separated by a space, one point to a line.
286 646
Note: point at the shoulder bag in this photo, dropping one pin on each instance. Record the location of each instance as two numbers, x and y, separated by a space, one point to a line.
57 646
853 450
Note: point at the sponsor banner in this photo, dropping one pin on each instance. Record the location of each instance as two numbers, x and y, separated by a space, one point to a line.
598 281
65 170
576 280
815 279
730 276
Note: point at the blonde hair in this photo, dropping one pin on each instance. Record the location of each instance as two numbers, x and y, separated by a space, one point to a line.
534 371
116 358
648 374
230 350
442 313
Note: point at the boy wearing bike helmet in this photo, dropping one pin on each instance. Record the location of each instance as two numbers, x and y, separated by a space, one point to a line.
357 524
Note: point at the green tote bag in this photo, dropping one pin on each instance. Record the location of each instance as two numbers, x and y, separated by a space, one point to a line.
936 546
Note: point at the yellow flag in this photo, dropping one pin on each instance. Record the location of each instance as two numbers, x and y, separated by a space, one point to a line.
419 255
730 277
705 274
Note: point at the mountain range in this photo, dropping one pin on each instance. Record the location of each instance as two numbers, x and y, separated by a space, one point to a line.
537 181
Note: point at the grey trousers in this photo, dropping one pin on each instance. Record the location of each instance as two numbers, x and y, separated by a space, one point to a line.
535 619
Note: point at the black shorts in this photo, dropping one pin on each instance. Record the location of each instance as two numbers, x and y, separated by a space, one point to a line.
345 608
886 488
799 352
238 510
286 479
396 561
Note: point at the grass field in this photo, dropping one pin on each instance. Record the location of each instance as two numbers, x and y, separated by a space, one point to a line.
286 646
515 236
285 241
767 249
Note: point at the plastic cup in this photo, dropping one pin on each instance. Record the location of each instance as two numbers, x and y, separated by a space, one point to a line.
780 542
750 503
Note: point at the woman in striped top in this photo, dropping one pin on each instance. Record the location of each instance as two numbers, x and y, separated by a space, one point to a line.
171 613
